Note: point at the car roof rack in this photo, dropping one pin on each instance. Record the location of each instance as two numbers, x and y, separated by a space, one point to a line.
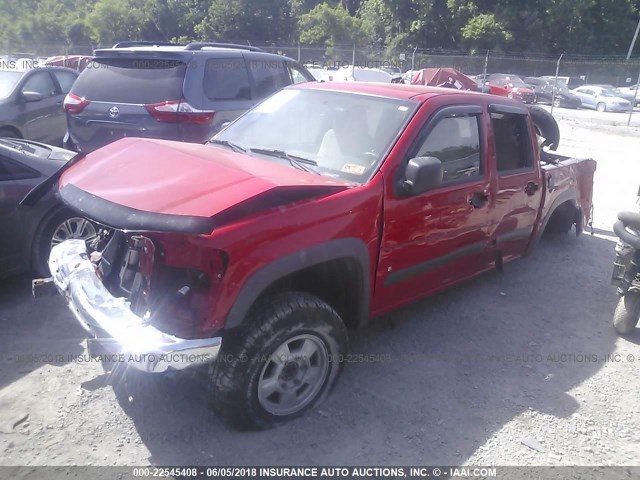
201 45
145 43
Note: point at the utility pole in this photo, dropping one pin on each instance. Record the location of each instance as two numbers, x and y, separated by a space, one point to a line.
413 60
633 42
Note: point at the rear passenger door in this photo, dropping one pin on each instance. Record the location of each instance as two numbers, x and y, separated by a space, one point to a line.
519 189
226 89
268 77
64 80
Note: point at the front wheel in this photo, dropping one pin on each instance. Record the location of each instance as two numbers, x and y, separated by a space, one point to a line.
283 363
62 225
627 313
601 107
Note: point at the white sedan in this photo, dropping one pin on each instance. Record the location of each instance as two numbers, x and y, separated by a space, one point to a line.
631 90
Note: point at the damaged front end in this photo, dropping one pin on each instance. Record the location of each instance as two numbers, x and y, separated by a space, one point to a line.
145 300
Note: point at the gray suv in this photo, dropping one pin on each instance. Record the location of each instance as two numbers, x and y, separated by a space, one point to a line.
31 103
173 92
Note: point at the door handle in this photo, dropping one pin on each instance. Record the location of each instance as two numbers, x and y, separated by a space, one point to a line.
531 188
478 199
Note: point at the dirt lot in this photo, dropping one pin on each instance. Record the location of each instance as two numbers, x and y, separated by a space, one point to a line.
475 374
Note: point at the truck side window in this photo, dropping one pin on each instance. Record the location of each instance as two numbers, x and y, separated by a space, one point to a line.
455 141
512 141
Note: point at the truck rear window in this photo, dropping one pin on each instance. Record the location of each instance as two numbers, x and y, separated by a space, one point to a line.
131 80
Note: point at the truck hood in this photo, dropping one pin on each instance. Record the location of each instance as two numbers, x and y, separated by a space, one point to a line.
159 185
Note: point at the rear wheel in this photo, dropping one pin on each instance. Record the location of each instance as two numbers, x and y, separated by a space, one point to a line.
627 313
281 365
601 107
556 103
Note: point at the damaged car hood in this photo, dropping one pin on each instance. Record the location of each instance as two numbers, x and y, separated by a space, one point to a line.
148 184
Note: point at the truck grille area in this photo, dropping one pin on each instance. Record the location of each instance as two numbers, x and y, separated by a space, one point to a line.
175 299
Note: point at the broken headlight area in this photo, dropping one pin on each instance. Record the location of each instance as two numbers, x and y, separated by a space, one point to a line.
169 281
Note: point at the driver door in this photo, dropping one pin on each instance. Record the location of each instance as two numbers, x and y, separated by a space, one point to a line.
439 237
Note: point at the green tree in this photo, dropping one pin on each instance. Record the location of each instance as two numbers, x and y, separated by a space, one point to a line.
116 20
331 26
483 31
247 20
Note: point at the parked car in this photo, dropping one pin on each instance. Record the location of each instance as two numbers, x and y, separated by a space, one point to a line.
629 97
511 86
361 74
31 103
75 62
544 90
571 82
323 207
631 91
600 99
29 232
179 92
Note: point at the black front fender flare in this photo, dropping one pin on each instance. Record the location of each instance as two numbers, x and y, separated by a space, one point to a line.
347 248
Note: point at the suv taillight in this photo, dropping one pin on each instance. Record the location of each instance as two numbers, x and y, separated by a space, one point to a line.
74 104
178 111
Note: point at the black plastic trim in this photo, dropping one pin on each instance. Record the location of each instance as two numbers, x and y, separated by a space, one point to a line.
348 248
424 267
500 108
517 234
126 218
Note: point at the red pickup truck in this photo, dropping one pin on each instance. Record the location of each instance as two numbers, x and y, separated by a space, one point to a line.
323 207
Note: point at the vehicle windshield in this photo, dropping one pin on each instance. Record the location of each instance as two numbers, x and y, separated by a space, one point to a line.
562 88
331 133
8 81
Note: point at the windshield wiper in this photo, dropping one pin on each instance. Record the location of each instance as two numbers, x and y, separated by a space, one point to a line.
227 143
294 160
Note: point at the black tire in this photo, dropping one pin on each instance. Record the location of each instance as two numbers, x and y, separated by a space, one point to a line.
627 313
546 125
44 237
234 378
561 221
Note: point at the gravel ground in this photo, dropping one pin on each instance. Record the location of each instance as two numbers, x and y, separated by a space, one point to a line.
521 368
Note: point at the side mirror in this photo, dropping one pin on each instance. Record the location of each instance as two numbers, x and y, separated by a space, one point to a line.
422 174
32 96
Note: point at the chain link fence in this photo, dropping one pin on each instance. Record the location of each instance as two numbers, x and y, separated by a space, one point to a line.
610 69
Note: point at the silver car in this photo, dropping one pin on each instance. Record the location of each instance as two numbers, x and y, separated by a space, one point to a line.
601 99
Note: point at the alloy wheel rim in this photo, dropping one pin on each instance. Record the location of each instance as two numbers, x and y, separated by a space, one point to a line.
293 375
74 228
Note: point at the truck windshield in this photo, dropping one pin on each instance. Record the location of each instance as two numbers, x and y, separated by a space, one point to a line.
339 134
